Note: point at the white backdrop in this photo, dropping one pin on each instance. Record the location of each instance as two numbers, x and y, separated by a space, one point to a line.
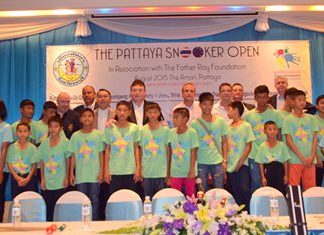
166 66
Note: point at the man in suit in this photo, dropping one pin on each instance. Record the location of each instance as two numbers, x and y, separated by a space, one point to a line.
238 93
88 96
277 101
70 118
138 103
101 115
104 112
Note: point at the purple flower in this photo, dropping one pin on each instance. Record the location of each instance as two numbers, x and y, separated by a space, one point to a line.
224 229
189 207
206 233
178 224
230 213
169 232
167 225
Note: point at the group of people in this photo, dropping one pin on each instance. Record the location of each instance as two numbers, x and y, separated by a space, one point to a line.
98 150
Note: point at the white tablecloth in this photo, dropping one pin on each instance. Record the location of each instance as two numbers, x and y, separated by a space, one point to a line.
74 228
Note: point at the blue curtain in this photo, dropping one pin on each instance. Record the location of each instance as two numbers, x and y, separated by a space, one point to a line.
22 67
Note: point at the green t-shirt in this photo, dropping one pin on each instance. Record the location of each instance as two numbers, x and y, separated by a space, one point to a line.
86 148
320 134
54 159
181 146
278 153
153 144
21 160
301 131
321 143
122 155
208 152
41 131
32 124
238 137
257 121
5 136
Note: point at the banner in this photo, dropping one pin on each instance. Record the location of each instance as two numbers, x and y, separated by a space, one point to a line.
165 67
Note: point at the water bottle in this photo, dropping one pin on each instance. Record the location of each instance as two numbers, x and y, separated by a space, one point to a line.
16 213
147 208
86 215
200 192
274 208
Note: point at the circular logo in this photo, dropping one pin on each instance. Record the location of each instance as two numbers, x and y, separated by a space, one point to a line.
71 68
198 52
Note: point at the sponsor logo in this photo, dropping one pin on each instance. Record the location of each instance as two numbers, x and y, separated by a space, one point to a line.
71 68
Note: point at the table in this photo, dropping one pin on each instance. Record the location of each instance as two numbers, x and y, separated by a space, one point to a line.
72 228
315 225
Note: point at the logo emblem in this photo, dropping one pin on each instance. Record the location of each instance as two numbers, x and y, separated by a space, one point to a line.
284 56
71 68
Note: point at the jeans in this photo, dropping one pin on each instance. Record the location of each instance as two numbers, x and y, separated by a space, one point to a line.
92 192
215 171
239 186
255 175
153 185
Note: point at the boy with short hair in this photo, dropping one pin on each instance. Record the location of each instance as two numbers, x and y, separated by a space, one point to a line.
273 157
27 108
184 143
21 161
257 117
155 151
41 126
320 156
87 146
213 147
301 130
122 161
240 138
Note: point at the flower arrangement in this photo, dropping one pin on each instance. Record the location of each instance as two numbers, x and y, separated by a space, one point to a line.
198 217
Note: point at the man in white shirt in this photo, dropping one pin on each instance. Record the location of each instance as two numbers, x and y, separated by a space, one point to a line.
189 102
138 103
104 112
281 84
225 97
238 93
88 96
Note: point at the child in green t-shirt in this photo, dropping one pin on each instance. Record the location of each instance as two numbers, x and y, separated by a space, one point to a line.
122 161
184 143
87 146
5 140
41 126
320 156
240 137
154 151
21 161
26 108
54 160
301 130
273 156
257 117
213 146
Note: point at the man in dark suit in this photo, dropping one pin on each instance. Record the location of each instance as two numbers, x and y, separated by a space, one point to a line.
238 93
70 118
277 101
138 103
88 96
